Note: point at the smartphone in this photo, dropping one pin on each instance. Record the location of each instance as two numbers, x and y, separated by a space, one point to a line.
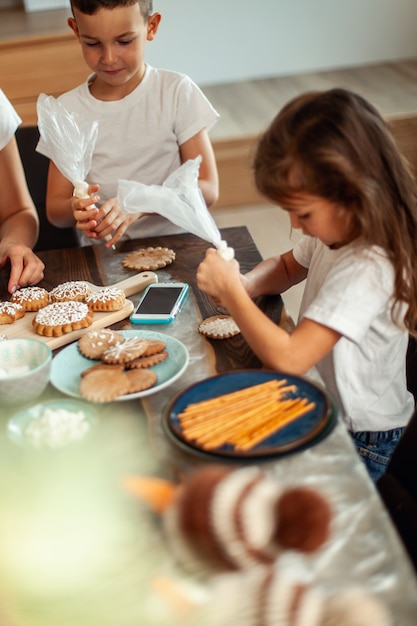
160 303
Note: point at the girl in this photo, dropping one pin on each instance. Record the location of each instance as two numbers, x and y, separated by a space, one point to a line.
329 160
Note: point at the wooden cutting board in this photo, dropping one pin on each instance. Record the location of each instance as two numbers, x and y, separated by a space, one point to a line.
130 286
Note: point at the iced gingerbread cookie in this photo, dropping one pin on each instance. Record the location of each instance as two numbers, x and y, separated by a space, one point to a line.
10 312
219 327
31 298
93 343
125 351
106 299
59 318
73 290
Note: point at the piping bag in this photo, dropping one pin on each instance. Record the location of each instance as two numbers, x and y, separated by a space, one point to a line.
70 142
179 200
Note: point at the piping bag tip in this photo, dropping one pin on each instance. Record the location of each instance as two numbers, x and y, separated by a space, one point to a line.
225 252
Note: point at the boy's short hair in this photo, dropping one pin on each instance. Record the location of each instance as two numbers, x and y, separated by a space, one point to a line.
89 7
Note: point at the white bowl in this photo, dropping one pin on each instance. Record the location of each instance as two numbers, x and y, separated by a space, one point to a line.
25 366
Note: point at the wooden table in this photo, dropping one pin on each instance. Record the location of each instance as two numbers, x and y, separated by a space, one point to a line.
103 266
130 438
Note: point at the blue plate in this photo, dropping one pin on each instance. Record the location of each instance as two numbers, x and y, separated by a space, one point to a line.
68 364
303 432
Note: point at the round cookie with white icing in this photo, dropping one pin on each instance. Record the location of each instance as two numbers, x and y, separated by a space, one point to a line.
106 299
93 343
72 290
129 349
59 318
219 327
10 312
30 298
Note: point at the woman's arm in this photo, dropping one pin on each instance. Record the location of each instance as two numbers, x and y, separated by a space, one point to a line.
18 216
19 222
208 179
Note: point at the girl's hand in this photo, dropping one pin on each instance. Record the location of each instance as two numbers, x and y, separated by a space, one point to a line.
218 277
112 222
25 267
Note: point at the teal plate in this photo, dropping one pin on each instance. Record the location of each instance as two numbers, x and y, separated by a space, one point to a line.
302 433
68 364
17 427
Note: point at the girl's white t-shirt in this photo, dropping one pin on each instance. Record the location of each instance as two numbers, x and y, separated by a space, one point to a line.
9 120
350 290
139 136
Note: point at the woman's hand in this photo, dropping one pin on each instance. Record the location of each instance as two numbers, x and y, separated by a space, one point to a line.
25 267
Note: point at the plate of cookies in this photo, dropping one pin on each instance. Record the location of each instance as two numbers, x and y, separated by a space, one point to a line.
247 414
105 365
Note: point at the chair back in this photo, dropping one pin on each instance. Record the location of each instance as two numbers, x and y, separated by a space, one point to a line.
398 488
36 169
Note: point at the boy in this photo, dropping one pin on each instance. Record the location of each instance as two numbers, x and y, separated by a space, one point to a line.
150 122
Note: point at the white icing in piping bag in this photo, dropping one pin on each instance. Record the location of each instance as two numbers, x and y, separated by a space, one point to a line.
225 252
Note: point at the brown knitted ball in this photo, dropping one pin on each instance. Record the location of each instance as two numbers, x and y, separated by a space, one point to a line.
304 518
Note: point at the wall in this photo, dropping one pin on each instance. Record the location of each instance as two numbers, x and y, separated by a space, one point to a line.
230 40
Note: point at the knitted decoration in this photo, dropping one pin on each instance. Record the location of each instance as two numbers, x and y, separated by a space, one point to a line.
272 597
237 518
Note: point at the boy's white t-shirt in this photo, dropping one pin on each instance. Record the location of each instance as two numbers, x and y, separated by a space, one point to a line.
9 120
139 136
350 290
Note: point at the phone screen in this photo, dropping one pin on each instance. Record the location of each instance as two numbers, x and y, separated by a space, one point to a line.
160 303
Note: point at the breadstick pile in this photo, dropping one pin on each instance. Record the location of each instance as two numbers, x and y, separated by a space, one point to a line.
242 418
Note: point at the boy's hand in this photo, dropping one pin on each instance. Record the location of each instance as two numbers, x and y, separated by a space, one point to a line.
85 212
112 222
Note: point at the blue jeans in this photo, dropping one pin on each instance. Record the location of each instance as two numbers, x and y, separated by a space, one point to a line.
376 449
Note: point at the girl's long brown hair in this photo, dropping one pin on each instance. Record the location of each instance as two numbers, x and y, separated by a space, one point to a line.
334 144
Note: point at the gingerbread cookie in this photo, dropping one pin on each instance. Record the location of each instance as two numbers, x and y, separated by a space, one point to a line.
30 298
102 366
147 361
153 346
93 343
140 379
59 318
125 351
219 327
73 290
104 385
106 299
148 259
10 312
